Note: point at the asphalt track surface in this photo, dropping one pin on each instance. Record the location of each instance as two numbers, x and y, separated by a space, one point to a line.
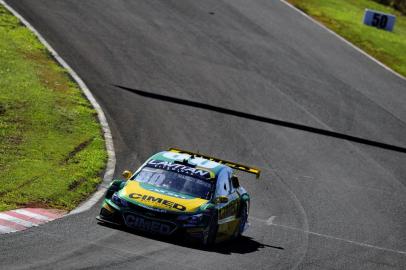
250 81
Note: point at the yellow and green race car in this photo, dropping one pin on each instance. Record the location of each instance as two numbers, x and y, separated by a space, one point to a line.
181 192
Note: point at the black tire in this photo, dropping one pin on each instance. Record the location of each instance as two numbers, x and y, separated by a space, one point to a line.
243 219
115 186
210 239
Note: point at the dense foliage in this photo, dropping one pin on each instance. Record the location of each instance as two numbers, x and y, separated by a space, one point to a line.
397 4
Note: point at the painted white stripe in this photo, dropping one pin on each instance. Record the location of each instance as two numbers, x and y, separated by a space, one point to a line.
270 220
31 214
4 229
91 201
17 220
333 237
108 137
225 220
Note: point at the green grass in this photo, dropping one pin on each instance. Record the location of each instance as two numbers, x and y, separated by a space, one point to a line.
51 147
345 18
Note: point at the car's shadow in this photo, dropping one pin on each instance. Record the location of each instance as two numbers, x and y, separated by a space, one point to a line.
242 245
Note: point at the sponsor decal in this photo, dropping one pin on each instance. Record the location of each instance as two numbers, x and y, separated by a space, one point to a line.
180 168
138 222
155 209
148 198
166 192
230 209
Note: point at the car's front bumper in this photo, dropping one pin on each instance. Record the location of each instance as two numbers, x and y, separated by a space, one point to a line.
149 221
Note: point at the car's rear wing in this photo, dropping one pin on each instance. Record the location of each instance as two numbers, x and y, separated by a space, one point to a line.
234 165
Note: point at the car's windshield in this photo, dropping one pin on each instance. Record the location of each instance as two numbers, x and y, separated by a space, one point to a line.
176 182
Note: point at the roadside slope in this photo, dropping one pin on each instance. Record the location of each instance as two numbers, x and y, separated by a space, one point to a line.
51 147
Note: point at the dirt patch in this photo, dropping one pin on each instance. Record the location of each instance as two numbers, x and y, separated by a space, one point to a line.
15 140
2 110
49 77
77 149
33 205
76 183
22 185
42 205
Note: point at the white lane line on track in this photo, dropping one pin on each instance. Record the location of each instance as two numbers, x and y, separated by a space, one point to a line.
331 237
33 215
344 40
270 220
108 137
4 229
17 220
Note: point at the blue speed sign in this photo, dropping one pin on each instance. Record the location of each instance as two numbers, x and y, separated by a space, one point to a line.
379 20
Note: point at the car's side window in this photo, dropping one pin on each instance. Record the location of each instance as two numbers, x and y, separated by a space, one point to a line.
226 186
223 184
232 189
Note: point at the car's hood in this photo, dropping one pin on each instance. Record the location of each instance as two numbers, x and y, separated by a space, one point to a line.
158 198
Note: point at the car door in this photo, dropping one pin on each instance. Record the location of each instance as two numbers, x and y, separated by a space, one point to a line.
227 212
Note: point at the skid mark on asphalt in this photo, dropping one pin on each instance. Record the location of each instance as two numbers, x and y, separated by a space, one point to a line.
328 236
327 131
21 219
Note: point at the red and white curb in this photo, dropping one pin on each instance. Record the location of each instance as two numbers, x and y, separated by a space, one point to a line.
21 219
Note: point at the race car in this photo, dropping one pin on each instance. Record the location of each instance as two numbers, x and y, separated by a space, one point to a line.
181 192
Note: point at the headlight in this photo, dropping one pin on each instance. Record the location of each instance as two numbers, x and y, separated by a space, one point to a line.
191 219
118 201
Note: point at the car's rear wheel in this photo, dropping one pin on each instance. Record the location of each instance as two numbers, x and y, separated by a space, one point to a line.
243 219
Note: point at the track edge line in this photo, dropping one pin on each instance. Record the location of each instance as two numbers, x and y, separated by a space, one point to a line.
344 40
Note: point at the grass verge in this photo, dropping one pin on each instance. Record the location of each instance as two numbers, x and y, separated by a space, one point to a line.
51 148
345 18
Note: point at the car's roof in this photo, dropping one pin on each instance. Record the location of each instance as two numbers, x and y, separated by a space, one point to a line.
214 167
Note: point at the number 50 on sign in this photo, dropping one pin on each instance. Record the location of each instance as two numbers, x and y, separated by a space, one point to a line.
379 20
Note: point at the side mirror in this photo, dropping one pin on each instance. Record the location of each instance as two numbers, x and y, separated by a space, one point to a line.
235 182
127 174
221 199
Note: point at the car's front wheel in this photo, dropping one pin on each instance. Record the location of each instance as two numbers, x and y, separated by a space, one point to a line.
114 187
210 238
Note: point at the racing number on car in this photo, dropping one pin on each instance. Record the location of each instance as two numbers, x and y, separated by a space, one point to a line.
150 177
